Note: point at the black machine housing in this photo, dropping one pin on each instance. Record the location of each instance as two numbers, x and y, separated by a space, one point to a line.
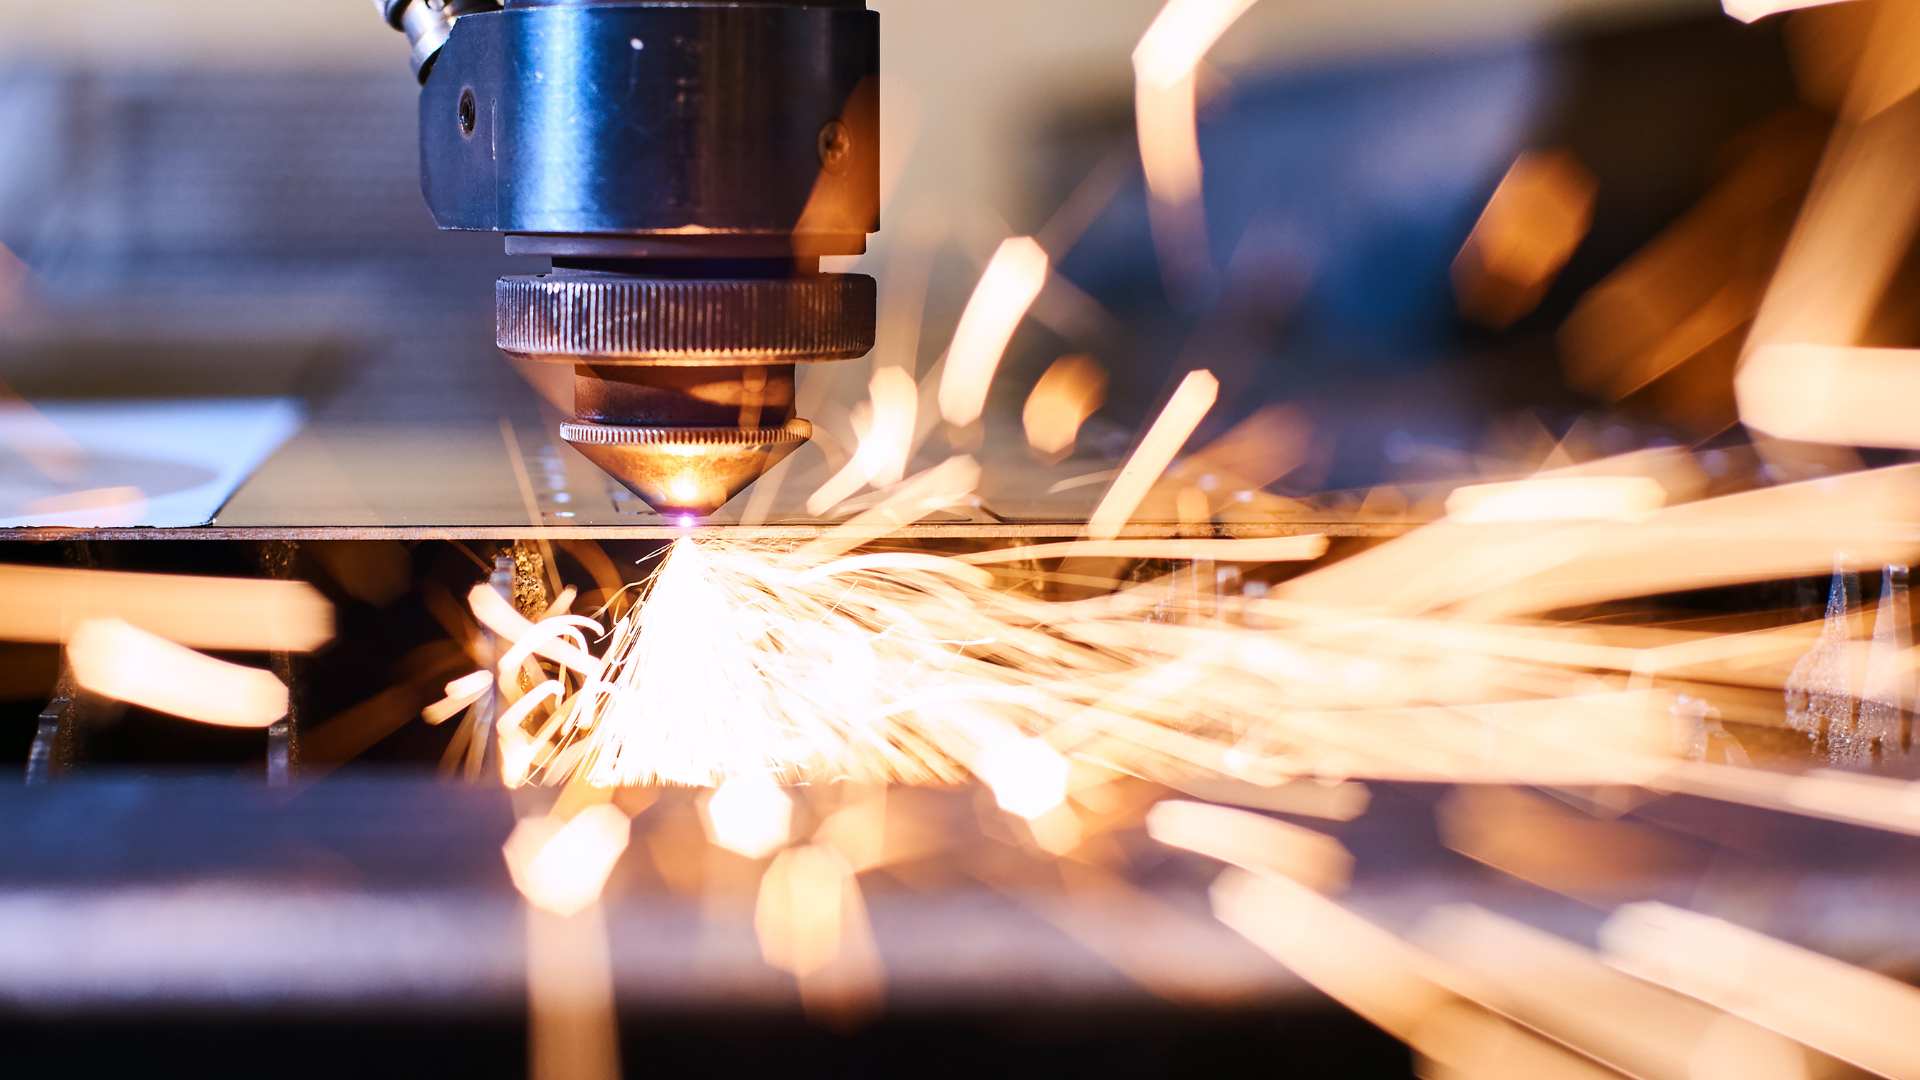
685 166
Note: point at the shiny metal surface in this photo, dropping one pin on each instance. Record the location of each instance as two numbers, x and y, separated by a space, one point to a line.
427 23
706 155
628 319
685 471
654 120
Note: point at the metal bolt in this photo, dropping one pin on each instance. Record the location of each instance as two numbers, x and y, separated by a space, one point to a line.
836 146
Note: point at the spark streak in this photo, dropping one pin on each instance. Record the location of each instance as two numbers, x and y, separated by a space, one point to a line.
128 664
1182 35
1008 288
1585 498
1190 403
1755 10
885 446
1853 1014
1832 394
1498 645
1070 392
39 603
1166 101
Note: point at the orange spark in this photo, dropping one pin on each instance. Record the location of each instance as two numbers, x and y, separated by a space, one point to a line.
1331 801
46 604
1555 986
573 1032
1008 288
562 867
1072 390
1530 228
119 661
1832 394
885 445
1855 1015
1181 37
749 815
1027 776
1455 1018
497 615
811 922
1170 142
806 899
1573 498
461 693
1252 842
858 831
1166 104
1190 403
946 484
1543 842
1356 963
1755 10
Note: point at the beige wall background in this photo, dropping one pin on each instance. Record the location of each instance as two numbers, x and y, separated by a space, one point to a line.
939 34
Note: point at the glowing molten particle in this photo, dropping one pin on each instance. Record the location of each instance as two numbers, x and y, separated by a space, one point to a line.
1008 288
749 815
1070 392
125 663
562 868
1028 776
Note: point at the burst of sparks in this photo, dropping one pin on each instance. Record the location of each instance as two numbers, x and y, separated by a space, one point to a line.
1425 658
743 665
1444 655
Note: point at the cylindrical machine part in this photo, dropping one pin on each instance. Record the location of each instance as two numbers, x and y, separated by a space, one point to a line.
685 165
684 387
427 24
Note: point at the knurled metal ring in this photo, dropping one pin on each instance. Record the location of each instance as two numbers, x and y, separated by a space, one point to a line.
614 318
584 432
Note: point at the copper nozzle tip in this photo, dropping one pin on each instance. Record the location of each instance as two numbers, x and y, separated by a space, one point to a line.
680 471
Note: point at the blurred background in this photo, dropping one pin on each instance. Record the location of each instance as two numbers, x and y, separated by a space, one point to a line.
202 194
1450 239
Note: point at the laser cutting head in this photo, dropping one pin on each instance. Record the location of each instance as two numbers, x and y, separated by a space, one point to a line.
685 166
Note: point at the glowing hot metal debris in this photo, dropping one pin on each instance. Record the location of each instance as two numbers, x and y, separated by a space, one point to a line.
749 815
123 662
1008 288
1754 10
561 867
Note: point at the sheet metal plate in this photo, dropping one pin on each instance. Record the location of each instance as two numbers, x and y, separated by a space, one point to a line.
350 480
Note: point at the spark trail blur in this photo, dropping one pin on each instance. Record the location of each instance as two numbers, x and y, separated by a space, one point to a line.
1438 656
792 735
